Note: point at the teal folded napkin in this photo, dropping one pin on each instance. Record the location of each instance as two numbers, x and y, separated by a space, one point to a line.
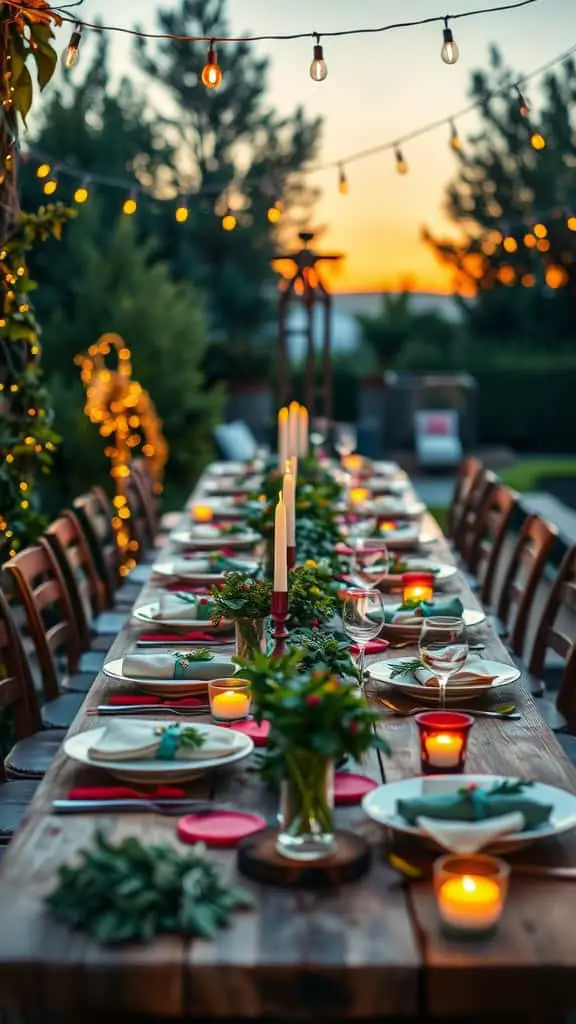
223 564
203 606
426 610
476 803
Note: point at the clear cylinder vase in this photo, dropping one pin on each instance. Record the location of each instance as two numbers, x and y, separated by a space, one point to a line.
249 637
307 807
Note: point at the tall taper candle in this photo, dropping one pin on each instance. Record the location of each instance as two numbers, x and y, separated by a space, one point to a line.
302 432
283 452
293 409
288 488
280 558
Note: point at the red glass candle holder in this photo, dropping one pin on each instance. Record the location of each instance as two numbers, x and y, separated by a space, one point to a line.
443 741
279 613
417 586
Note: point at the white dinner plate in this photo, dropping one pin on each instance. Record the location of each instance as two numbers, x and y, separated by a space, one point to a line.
470 617
186 539
382 672
403 540
442 570
225 487
168 569
396 508
148 613
380 805
77 747
220 667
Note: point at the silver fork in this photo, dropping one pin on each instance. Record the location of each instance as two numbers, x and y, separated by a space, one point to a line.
146 709
477 713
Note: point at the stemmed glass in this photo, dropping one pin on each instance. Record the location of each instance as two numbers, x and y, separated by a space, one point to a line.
371 562
443 648
362 618
345 439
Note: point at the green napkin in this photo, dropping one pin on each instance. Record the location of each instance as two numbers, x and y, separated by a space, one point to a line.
223 564
427 609
476 804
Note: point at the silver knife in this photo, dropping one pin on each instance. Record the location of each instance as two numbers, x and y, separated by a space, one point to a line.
162 806
146 709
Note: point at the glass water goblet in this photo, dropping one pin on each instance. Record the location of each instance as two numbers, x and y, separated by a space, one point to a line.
371 562
443 648
362 618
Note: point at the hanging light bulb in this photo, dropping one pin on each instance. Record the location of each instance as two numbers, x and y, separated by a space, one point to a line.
274 212
130 204
523 105
43 170
72 52
51 184
455 140
211 72
182 212
229 221
343 186
449 51
81 193
401 165
318 67
537 140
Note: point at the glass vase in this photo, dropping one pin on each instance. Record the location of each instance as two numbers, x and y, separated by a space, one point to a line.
307 804
249 637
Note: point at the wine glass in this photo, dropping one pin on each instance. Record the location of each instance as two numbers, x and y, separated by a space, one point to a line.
345 439
443 648
371 562
362 618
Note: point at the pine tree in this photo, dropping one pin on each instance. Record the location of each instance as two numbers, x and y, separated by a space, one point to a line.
515 207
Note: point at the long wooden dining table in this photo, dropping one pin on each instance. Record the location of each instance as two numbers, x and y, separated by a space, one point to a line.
365 950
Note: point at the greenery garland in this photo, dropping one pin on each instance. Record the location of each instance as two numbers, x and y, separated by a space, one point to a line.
27 440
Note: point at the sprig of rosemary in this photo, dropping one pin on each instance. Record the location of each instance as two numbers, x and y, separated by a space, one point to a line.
405 668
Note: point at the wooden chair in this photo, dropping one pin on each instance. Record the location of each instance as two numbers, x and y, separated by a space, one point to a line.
34 747
469 469
97 626
95 512
141 519
557 633
531 552
50 616
494 516
468 528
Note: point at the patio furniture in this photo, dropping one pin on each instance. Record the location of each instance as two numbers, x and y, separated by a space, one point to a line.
437 439
235 441
531 552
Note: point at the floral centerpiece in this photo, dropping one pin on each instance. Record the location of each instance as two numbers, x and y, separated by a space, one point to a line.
314 719
312 595
246 600
330 651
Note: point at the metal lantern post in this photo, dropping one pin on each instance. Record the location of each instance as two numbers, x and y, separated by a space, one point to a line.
305 285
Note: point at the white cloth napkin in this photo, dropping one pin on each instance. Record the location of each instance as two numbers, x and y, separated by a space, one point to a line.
471 836
188 567
125 740
473 674
158 665
204 531
172 606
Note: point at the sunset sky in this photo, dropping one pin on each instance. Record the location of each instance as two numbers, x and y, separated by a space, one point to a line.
379 87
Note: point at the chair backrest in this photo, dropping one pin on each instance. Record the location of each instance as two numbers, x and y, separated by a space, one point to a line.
467 529
139 523
436 423
95 513
16 686
86 589
494 516
531 552
557 632
145 487
49 611
468 470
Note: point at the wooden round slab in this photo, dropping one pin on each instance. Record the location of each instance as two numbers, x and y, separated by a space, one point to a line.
259 859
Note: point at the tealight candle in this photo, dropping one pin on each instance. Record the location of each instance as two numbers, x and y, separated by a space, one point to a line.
353 463
358 495
386 526
229 700
443 741
202 513
417 586
470 892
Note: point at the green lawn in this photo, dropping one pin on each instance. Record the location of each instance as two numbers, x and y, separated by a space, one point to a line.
526 476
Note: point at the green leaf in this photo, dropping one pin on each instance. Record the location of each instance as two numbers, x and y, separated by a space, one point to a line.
44 53
22 95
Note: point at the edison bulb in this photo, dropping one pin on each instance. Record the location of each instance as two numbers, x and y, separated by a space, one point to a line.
72 52
343 187
318 67
211 72
449 51
401 165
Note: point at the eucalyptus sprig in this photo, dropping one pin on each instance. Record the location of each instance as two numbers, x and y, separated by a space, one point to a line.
325 650
131 892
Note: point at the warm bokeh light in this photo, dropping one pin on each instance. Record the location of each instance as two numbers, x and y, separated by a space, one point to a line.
229 222
528 281
182 213
556 276
540 230
529 241
81 194
274 214
537 140
211 72
510 244
50 186
129 206
43 170
543 245
507 275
